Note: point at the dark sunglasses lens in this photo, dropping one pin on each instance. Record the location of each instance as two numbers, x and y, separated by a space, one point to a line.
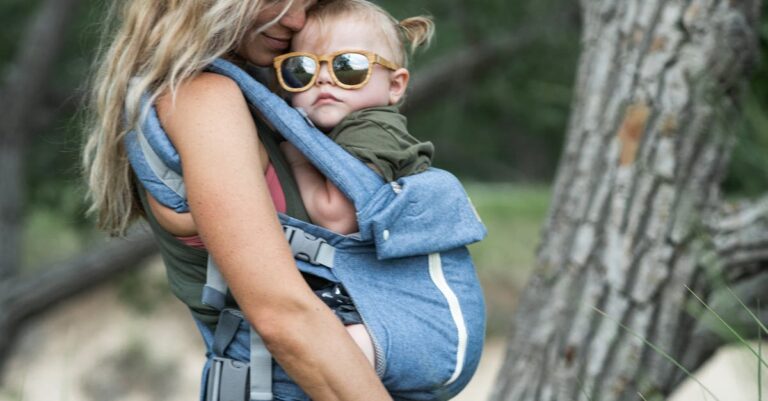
298 71
350 68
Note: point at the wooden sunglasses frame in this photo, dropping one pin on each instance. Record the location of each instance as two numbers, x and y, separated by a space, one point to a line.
372 58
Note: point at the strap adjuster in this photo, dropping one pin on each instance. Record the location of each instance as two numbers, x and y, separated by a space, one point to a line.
227 380
309 248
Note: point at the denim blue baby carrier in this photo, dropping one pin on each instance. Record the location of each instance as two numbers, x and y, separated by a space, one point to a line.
407 269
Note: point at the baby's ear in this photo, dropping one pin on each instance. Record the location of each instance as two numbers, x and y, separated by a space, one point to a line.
398 83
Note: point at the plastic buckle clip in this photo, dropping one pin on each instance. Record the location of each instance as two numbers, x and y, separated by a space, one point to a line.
228 380
305 247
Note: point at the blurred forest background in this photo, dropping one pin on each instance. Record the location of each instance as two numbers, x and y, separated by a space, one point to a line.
493 93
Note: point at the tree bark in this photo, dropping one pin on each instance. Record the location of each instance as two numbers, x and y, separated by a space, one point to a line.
20 97
636 213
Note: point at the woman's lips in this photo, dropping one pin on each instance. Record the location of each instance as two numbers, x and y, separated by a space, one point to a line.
276 43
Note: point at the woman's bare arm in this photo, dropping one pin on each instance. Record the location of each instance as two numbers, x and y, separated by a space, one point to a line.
212 129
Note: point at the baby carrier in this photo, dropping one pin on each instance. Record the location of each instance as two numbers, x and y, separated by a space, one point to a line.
407 270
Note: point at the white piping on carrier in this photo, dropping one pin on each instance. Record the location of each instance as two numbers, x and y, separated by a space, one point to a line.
436 273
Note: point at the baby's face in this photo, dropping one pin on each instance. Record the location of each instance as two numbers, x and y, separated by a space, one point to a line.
325 102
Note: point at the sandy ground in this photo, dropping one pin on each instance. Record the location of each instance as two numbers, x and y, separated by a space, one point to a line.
731 375
99 347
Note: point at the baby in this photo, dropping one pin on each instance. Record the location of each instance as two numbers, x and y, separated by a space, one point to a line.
347 72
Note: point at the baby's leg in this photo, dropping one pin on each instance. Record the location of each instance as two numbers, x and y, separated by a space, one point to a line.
363 340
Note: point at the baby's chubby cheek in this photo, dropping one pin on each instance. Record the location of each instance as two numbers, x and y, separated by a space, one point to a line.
325 118
301 100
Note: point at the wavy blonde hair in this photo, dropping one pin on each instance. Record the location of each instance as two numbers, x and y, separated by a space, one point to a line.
402 37
156 46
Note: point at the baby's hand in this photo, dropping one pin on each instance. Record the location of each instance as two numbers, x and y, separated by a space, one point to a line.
292 155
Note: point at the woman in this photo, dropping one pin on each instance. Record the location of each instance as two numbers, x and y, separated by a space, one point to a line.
161 48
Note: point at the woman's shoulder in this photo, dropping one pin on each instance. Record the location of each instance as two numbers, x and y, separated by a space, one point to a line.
209 83
209 94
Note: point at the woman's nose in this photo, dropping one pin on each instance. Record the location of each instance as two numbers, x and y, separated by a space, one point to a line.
295 17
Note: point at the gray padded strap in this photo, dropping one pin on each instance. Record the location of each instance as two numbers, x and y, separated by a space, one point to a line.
261 360
304 246
226 329
170 178
261 369
215 290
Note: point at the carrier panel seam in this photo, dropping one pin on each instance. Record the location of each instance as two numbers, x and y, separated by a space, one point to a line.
438 278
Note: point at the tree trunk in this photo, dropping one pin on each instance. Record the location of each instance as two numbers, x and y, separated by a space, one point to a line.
20 98
636 214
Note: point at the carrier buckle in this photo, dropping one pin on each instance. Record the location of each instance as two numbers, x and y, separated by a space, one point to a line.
309 248
227 380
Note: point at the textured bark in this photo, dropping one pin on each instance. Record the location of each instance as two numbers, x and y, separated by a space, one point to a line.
20 98
636 213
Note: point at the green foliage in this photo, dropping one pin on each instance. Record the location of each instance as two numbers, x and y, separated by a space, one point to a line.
748 173
54 183
507 123
15 17
513 216
50 236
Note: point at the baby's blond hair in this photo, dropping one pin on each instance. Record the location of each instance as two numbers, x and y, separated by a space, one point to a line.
402 37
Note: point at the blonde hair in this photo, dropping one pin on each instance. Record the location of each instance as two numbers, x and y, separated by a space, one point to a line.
158 44
414 32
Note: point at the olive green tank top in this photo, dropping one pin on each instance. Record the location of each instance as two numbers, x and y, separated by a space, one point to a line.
186 266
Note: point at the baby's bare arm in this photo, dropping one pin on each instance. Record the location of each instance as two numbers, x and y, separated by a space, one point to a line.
327 206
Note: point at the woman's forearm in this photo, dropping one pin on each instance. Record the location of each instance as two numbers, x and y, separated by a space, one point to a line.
315 336
301 332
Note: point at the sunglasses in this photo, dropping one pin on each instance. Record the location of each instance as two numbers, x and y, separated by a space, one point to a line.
350 69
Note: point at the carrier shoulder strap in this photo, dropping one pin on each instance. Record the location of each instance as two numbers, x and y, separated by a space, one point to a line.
157 164
404 218
271 141
229 384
